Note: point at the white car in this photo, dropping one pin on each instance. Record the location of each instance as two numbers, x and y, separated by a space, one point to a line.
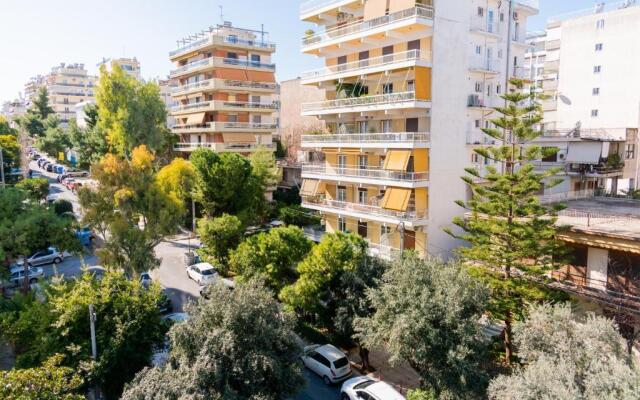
17 275
43 257
365 388
327 361
202 273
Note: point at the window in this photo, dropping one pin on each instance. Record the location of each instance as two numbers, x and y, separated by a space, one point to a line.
362 162
255 59
342 162
411 85
598 46
387 88
413 45
480 12
363 58
489 90
362 196
595 91
255 99
386 125
478 49
597 69
475 158
600 24
257 119
342 224
362 126
385 230
232 118
341 193
477 122
387 53
498 89
478 87
501 17
232 55
500 54
594 113
630 151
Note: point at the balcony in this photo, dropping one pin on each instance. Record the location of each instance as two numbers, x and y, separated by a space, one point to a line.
221 84
219 62
224 40
483 65
388 62
396 140
223 106
484 26
372 212
224 127
314 7
221 147
365 103
372 176
359 28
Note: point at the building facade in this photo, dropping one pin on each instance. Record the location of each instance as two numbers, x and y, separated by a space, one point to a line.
225 94
130 66
409 85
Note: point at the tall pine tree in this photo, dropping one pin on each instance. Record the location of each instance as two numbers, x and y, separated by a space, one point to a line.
511 235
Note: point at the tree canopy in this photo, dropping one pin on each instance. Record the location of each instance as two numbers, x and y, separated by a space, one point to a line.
10 152
220 235
235 345
40 116
427 313
90 142
178 178
566 357
36 188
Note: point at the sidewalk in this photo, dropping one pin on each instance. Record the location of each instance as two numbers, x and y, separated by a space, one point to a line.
402 377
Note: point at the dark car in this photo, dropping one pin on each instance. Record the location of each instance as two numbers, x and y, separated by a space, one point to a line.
62 177
164 304
49 167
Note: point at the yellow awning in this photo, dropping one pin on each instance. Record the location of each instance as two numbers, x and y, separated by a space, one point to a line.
397 160
309 187
350 151
195 119
374 9
396 199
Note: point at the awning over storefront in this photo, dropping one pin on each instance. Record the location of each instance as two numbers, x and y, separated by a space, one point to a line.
396 199
584 152
311 187
397 160
195 119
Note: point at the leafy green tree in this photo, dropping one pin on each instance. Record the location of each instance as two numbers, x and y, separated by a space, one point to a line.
51 381
5 128
129 204
41 105
90 142
296 215
40 116
271 256
132 113
62 207
55 141
508 229
178 179
223 182
128 328
10 152
236 345
37 189
426 313
422 394
220 235
569 358
264 177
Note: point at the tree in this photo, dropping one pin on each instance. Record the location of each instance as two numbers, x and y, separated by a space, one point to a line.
128 328
296 215
264 177
236 345
272 256
51 381
55 140
568 358
129 204
508 230
36 189
132 113
220 235
41 105
10 152
178 179
62 207
90 143
426 313
40 116
5 128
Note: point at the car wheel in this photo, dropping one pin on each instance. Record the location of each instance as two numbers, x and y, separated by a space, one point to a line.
345 396
57 260
326 380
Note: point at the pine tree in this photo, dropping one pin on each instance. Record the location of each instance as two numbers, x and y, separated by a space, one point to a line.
511 235
41 105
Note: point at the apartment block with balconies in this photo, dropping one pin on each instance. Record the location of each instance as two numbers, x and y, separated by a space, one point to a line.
225 97
408 84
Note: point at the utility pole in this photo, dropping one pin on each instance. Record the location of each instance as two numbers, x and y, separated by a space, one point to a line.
92 325
2 168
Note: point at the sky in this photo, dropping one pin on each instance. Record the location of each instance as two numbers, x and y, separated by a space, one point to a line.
36 35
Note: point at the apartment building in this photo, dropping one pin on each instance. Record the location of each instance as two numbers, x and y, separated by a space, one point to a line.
67 85
409 85
12 110
590 61
130 66
226 87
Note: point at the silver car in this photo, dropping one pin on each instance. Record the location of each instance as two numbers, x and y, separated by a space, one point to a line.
43 257
17 275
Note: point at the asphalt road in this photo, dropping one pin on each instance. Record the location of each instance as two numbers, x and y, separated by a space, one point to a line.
316 389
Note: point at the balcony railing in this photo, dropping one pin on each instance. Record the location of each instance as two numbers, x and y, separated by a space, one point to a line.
219 83
390 59
356 138
221 61
409 214
485 64
382 251
221 146
360 101
224 104
224 39
363 26
482 24
369 173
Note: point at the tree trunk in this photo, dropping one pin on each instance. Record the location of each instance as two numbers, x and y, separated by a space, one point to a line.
364 356
508 347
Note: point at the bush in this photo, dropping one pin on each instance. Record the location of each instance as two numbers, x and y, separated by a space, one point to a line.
220 235
61 207
296 215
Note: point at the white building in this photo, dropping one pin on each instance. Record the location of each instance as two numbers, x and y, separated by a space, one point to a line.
130 66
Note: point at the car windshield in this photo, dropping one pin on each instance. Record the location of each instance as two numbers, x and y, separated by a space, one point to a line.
207 272
341 362
364 384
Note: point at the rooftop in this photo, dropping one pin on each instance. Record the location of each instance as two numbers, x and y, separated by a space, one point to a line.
599 8
605 216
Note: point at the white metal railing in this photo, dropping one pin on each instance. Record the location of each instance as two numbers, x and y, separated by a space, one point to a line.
221 83
189 46
394 137
221 61
565 196
368 172
410 214
192 106
382 251
365 100
485 64
362 26
224 104
411 55
195 85
224 39
221 146
193 146
219 126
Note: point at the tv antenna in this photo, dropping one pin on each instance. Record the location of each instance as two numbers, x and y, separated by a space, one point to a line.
221 15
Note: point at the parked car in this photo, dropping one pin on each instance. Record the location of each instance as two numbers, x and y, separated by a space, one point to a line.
86 235
49 167
41 161
164 303
43 257
363 387
17 275
62 177
58 169
35 156
202 273
76 173
75 185
97 271
328 362
68 183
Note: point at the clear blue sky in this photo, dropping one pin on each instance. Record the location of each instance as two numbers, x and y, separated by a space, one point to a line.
35 35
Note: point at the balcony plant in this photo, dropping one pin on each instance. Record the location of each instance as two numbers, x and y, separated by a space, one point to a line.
309 32
350 90
614 161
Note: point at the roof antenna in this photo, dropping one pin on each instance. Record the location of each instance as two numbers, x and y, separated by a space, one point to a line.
221 15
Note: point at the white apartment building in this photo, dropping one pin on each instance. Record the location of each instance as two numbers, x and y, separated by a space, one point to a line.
416 81
12 110
590 60
130 66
